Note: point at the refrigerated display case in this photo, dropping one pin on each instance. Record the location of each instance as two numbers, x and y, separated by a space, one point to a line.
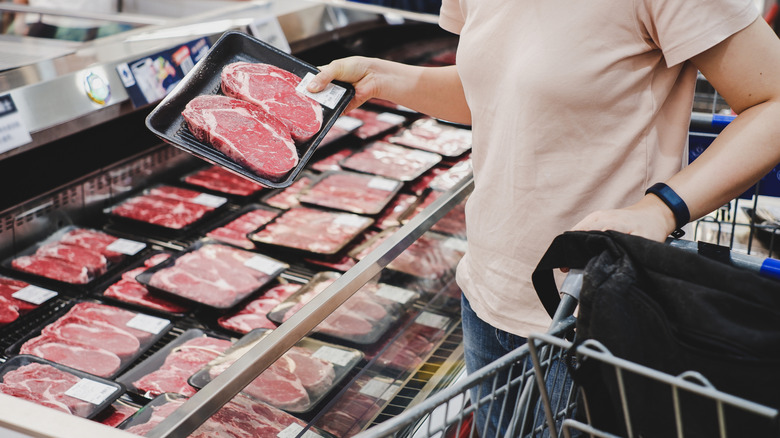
88 151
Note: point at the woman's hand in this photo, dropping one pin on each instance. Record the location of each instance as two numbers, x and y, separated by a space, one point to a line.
649 218
363 73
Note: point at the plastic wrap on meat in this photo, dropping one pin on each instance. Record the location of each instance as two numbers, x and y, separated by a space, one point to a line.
433 136
429 257
312 230
391 161
52 268
94 240
288 198
184 361
331 162
95 262
452 176
255 314
375 123
273 89
93 360
81 331
412 348
236 230
395 211
116 414
158 210
45 385
127 289
220 180
351 192
244 133
357 406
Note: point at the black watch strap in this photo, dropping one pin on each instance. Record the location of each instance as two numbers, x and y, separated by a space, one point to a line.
672 200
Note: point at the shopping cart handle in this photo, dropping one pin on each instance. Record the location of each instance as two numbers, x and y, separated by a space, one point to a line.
770 268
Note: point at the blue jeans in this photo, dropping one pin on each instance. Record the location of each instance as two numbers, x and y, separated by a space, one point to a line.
483 344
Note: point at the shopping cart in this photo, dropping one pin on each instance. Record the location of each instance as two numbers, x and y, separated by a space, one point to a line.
546 400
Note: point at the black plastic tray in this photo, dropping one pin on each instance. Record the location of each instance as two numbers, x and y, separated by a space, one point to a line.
112 390
167 122
237 214
388 187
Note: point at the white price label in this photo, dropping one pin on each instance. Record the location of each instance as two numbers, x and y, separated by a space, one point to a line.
423 157
13 133
209 200
385 184
375 387
432 320
393 119
350 220
294 429
329 97
127 247
334 355
268 29
264 265
348 123
148 323
456 244
91 391
34 294
396 294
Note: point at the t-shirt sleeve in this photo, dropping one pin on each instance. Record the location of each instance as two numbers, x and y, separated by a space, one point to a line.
451 17
682 29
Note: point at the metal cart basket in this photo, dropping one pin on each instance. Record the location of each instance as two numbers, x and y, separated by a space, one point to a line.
547 402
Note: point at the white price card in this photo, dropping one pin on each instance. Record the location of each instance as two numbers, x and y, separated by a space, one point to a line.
148 323
91 391
264 265
397 294
432 320
334 355
34 294
294 429
456 244
268 29
385 184
393 119
348 123
329 97
376 387
209 200
350 220
13 133
125 246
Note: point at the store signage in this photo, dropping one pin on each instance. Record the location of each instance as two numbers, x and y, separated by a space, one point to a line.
13 133
148 80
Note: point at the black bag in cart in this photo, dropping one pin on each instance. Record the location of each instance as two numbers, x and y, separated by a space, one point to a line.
671 310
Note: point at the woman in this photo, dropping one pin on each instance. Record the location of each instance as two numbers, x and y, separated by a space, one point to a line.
577 108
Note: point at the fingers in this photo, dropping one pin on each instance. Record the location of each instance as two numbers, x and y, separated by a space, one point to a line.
350 70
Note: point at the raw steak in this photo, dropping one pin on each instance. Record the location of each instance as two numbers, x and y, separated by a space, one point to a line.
316 375
429 135
94 261
354 410
88 333
52 268
93 360
112 315
214 275
254 314
331 162
391 161
244 133
8 287
395 211
8 311
94 240
184 361
177 193
162 211
235 232
411 348
288 198
45 385
313 230
452 176
130 291
273 89
220 180
353 192
375 123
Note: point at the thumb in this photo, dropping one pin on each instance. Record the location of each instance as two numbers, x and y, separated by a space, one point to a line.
319 81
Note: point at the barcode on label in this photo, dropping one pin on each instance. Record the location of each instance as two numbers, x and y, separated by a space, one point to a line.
209 200
393 119
396 294
334 355
432 320
91 391
148 323
293 430
34 294
329 97
383 184
127 247
264 265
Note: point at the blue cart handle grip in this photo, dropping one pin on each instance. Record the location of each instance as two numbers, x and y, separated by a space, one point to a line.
770 268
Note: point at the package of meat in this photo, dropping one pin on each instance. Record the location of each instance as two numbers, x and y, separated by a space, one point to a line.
93 337
119 411
356 407
169 368
331 162
396 212
211 274
434 136
287 198
453 223
58 387
453 175
375 123
273 84
362 320
298 381
351 192
343 126
220 181
234 228
240 417
18 298
312 231
391 161
254 315
412 347
73 258
123 289
166 211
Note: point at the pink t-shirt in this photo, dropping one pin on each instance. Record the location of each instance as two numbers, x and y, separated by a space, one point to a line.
576 106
